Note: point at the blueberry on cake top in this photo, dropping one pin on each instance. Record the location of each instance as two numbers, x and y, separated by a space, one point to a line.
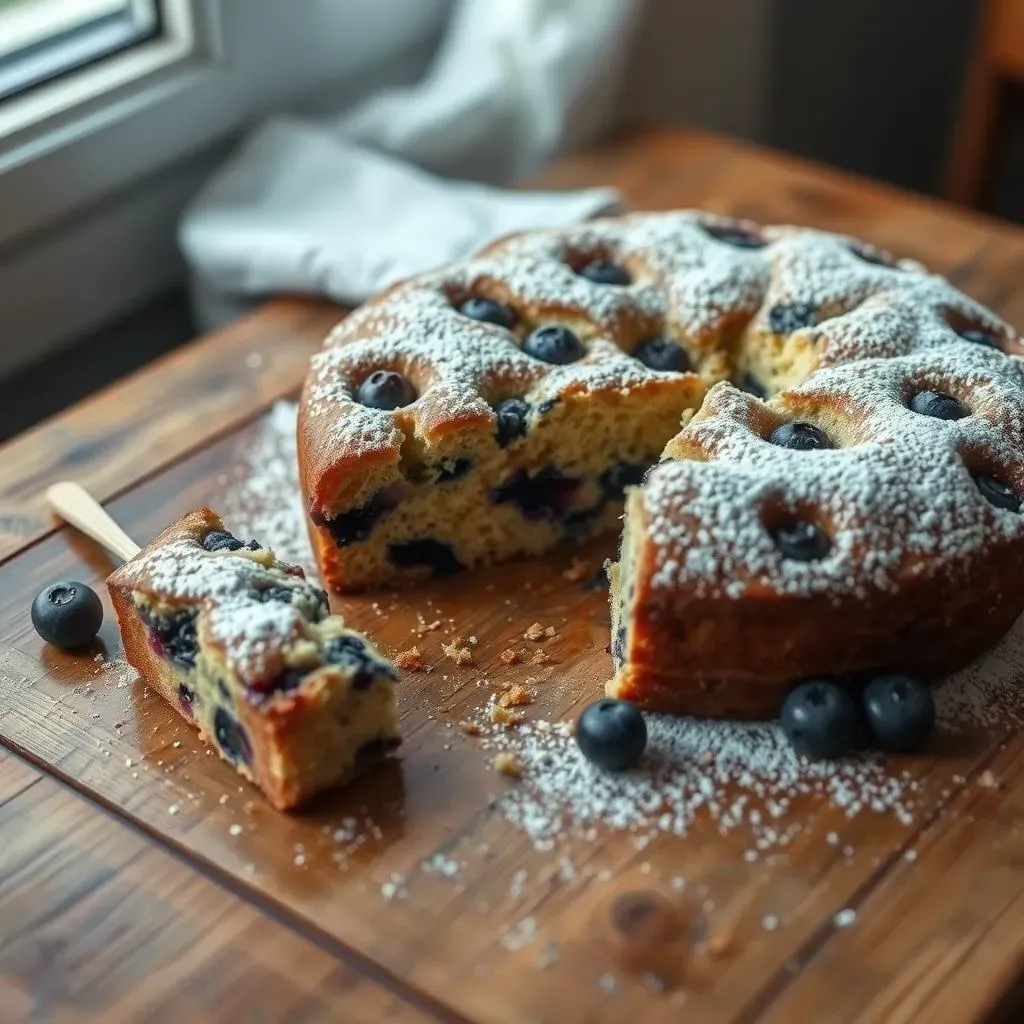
865 518
245 649
522 386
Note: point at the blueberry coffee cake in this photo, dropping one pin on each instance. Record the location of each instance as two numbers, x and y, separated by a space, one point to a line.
500 405
865 518
844 494
248 652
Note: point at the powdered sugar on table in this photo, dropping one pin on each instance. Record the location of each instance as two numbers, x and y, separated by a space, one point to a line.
741 775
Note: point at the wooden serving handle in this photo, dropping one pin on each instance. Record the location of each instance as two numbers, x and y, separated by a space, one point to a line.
74 504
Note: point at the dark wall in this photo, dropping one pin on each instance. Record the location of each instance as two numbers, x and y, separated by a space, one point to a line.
869 85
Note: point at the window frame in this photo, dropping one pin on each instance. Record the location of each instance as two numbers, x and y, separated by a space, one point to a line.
67 50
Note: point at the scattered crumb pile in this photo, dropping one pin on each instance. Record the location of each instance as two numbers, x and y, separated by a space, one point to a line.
740 774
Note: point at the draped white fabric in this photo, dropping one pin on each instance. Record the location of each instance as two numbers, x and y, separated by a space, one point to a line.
410 177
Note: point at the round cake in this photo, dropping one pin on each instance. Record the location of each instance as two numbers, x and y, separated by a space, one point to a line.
844 496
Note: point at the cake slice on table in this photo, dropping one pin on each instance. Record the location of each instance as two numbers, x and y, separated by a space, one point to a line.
247 651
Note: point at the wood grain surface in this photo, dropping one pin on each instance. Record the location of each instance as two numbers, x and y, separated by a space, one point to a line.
937 899
140 424
100 924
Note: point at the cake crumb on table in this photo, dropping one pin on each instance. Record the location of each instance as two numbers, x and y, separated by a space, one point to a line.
988 780
503 716
410 660
470 728
540 657
516 696
460 655
509 656
507 764
579 570
536 631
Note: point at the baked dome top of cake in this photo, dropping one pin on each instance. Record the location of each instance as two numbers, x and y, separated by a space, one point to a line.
719 287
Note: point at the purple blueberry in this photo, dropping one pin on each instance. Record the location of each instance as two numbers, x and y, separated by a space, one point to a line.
612 734
801 541
663 355
512 415
231 737
385 389
424 552
556 345
605 272
736 236
997 493
938 405
544 495
787 317
222 540
900 713
820 719
802 437
489 312
976 336
873 255
67 615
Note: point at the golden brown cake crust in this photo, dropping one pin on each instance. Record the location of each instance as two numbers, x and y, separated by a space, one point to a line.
294 743
921 570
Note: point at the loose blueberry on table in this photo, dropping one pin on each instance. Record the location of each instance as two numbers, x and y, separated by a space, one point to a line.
663 355
820 719
385 389
489 312
67 615
612 734
605 272
802 437
556 345
900 713
938 405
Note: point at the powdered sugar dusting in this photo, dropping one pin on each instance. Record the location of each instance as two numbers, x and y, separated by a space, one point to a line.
685 282
742 775
263 498
901 491
989 692
251 632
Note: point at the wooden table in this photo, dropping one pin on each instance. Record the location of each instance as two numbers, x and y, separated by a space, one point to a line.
127 894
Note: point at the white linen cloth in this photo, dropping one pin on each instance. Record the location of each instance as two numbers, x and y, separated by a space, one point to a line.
406 179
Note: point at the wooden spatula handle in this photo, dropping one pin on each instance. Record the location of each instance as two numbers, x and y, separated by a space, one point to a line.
73 503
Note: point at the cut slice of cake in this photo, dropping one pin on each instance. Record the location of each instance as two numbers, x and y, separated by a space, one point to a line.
245 649
498 406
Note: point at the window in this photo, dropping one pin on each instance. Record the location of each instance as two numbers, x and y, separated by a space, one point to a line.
42 39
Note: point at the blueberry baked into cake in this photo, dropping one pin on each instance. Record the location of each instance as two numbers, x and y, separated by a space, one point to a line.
246 650
865 518
844 494
498 406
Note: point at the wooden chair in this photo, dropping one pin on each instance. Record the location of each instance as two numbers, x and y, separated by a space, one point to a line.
997 59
